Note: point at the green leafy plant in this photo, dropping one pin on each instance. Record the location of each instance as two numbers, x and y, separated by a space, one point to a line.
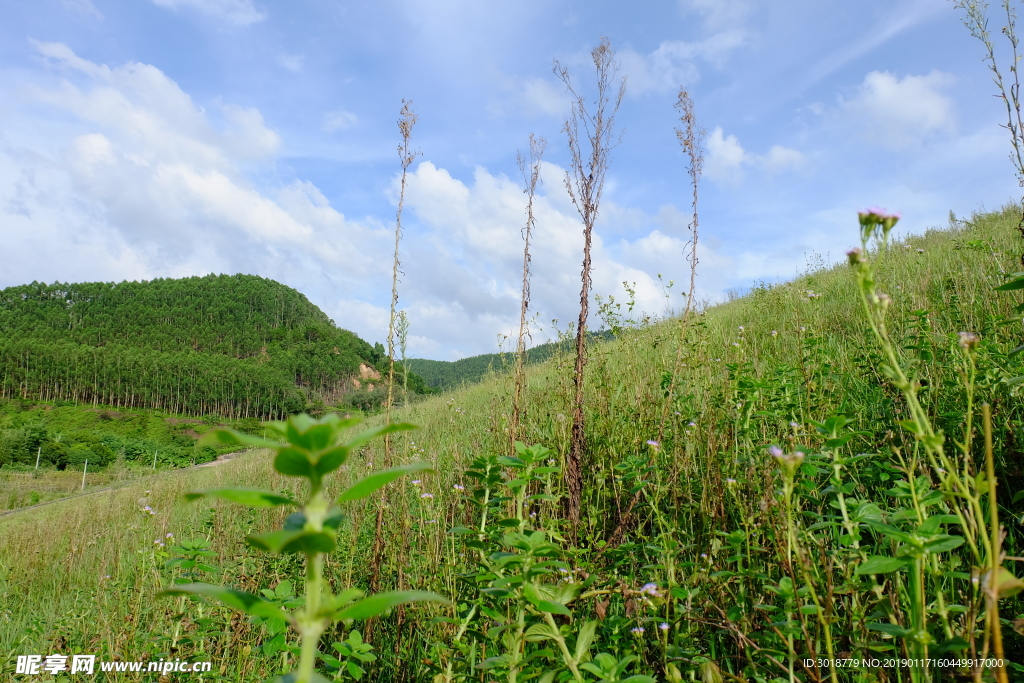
310 449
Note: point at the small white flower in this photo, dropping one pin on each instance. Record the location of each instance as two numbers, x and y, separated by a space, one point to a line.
426 495
459 487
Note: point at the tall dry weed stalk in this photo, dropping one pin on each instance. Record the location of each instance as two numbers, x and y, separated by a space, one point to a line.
531 176
975 18
585 181
406 156
691 137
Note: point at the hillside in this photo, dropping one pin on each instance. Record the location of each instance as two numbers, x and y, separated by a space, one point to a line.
444 375
237 345
755 499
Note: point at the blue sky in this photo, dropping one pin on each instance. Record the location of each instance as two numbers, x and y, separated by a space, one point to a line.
166 138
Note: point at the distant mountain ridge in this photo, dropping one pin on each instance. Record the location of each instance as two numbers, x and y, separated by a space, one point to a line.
239 345
443 375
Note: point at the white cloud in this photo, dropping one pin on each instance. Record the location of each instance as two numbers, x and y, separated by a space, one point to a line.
719 14
159 180
543 96
292 63
339 119
673 64
240 12
896 113
83 7
726 159
466 272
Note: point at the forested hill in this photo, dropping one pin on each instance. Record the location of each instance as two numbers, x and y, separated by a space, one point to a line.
238 345
442 374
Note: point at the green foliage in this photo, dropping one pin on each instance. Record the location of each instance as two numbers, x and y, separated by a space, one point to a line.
309 449
787 512
235 345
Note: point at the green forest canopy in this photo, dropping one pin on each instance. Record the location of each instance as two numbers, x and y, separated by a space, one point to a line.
238 345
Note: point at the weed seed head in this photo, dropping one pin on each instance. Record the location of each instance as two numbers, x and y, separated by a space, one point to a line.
968 341
650 589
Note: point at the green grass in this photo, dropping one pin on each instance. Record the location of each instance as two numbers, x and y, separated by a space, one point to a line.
738 553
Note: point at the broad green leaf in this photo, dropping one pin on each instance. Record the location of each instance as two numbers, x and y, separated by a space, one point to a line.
584 640
331 460
867 512
316 438
293 542
368 485
910 426
381 602
891 629
879 564
1017 283
251 497
941 544
538 632
538 600
293 462
1007 584
236 599
933 523
223 435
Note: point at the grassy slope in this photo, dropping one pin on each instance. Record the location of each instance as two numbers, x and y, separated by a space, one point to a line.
54 590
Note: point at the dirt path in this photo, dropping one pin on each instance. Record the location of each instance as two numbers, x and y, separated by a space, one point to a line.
221 459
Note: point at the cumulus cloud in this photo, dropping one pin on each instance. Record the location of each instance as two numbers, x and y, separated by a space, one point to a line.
239 12
339 119
157 183
726 159
674 63
141 181
896 113
292 63
465 272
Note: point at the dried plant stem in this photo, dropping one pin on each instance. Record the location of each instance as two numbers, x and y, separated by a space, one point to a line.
585 182
976 20
691 136
531 175
406 156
